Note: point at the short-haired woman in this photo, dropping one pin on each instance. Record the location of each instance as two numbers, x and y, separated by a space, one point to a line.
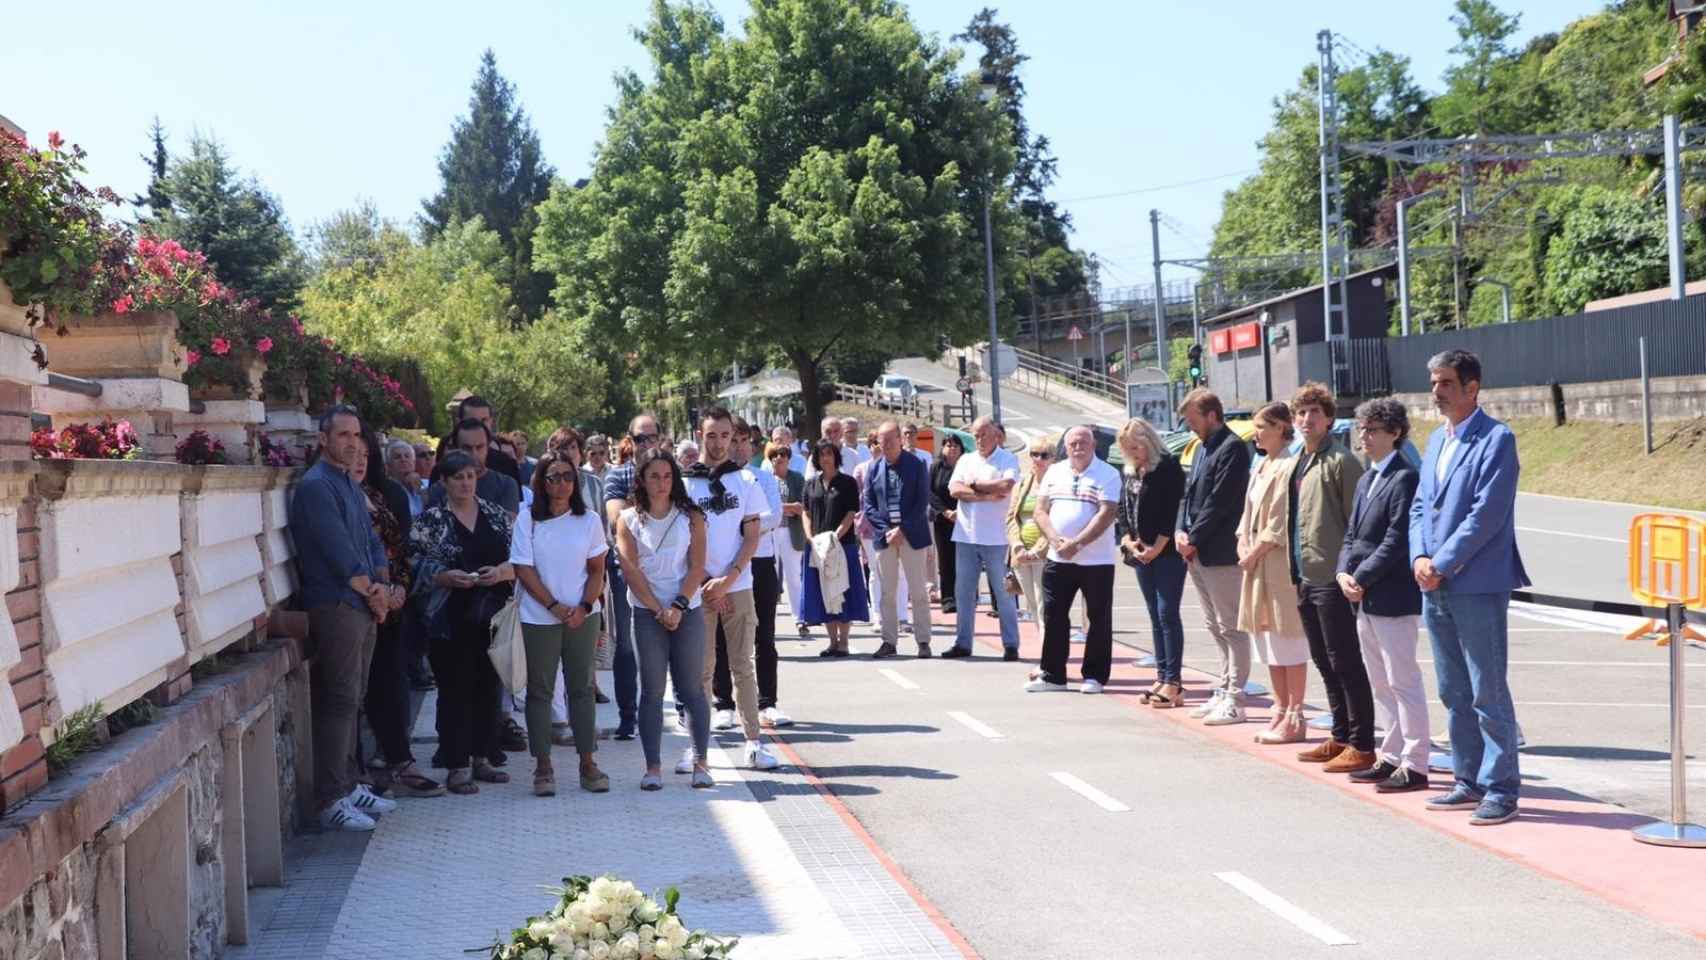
558 556
1267 601
1149 506
661 540
1027 549
943 509
790 536
832 510
461 555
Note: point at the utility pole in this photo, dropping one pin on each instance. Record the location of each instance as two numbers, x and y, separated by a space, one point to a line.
1031 282
1404 258
1504 295
1673 206
1161 357
1335 248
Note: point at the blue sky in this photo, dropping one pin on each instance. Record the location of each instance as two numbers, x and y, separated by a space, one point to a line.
328 102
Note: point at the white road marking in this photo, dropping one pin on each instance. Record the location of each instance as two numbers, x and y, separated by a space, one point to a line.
1090 793
1568 533
898 680
975 725
1578 663
1570 703
1285 909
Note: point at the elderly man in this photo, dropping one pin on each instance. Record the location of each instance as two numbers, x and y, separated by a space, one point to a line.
1207 537
853 450
895 499
1464 557
400 465
982 484
829 431
909 443
1076 506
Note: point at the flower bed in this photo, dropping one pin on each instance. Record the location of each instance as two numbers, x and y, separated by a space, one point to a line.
88 441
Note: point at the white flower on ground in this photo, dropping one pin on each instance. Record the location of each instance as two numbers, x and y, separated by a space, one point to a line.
663 951
539 929
647 933
619 923
600 932
536 953
599 950
648 912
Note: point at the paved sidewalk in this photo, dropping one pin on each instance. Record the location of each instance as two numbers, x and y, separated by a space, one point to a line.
765 856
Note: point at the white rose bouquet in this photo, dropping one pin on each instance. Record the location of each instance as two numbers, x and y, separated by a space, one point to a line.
610 919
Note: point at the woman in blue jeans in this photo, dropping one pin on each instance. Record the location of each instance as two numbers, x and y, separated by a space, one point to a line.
661 540
1149 505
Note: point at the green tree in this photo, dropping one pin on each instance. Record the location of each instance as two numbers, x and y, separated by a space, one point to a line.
818 180
157 201
1608 243
493 169
355 238
235 221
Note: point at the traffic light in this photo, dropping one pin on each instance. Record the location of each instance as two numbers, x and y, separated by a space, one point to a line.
1195 354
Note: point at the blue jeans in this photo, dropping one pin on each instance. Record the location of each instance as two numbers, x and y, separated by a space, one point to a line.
1469 638
679 653
969 560
626 670
1163 584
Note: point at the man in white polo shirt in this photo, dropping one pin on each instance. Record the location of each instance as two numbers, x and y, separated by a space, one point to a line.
1075 511
734 508
983 482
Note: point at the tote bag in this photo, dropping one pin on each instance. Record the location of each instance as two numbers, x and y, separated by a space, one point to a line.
508 655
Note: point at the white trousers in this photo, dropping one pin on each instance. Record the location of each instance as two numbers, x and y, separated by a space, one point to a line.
788 567
1389 652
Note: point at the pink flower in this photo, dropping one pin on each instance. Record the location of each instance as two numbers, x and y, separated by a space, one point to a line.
54 140
123 304
221 346
263 345
191 358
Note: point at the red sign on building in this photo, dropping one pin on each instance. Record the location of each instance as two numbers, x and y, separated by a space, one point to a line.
1245 336
1219 342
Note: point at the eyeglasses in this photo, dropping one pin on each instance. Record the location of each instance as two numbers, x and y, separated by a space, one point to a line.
642 439
1371 428
1041 455
563 477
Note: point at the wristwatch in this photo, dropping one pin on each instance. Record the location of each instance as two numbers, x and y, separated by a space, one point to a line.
586 606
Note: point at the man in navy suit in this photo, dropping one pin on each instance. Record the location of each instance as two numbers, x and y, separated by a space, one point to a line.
896 495
1464 557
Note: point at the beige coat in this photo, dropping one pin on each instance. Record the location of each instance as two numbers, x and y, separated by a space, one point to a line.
1268 600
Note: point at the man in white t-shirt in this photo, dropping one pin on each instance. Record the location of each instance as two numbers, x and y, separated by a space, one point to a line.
734 509
829 431
1075 511
983 482
909 443
853 451
766 591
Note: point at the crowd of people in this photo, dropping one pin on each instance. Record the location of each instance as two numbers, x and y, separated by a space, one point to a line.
667 562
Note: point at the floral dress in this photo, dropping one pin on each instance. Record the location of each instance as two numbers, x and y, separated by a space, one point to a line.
435 547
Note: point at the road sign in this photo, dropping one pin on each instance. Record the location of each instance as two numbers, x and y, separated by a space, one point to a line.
1076 333
963 384
1006 361
1151 401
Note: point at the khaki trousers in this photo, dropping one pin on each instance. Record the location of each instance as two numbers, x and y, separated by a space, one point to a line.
740 636
891 559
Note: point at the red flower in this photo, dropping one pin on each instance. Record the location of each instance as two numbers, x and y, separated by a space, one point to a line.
54 140
191 358
263 345
221 346
123 304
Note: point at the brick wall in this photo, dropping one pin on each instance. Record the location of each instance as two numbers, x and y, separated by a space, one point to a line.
23 769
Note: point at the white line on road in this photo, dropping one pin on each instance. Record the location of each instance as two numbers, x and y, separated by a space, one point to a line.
975 725
1090 793
1578 663
898 680
1285 909
1578 536
1573 703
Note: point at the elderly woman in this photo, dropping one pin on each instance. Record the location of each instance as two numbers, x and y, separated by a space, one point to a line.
558 556
943 509
686 452
1267 601
1149 506
790 536
461 565
832 507
1027 551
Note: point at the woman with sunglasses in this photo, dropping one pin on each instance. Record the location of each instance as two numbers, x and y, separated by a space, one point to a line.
558 556
790 537
1027 550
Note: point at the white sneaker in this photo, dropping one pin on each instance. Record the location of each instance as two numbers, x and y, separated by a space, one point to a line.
342 816
1228 712
1040 685
364 799
1090 686
1208 706
759 757
685 764
723 720
1078 635
773 716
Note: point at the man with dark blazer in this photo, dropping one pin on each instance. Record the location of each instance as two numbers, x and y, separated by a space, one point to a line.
1207 537
896 500
1374 573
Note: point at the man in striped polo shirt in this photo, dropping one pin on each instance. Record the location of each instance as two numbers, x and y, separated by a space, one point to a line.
1075 511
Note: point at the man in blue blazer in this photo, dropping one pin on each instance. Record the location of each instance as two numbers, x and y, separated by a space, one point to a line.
895 500
1464 556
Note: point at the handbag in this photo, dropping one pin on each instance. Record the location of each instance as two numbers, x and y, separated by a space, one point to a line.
506 650
1011 582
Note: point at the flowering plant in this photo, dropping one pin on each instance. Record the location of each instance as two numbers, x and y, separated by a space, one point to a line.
58 254
274 454
87 441
609 919
201 448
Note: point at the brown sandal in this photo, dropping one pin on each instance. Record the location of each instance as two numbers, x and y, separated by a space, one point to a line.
1171 695
486 773
544 783
461 782
1150 694
410 782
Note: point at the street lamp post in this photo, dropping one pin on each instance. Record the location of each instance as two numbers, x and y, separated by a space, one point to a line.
1504 296
987 92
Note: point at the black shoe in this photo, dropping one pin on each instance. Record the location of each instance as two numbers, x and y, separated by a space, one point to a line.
924 651
956 652
826 652
498 758
948 607
438 760
1376 773
1403 780
513 739
839 652
625 730
1010 654
883 652
599 696
421 679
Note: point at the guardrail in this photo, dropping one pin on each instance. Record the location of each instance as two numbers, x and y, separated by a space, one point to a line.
883 400
1037 371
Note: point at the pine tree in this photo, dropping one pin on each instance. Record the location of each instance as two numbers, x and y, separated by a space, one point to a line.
493 169
155 198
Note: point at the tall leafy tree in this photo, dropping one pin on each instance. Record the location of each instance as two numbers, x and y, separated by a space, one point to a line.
357 238
493 169
235 221
157 201
1477 86
815 181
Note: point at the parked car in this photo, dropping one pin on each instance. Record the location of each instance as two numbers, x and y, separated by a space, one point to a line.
892 389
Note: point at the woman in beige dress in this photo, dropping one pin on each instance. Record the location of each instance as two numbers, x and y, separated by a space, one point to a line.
1267 604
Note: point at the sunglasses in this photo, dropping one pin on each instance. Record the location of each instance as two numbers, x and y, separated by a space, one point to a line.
563 477
779 455
1041 455
641 439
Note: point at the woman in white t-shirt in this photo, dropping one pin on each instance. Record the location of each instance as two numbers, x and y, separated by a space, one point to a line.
558 554
661 540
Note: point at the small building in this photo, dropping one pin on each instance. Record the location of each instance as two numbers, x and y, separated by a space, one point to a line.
1265 350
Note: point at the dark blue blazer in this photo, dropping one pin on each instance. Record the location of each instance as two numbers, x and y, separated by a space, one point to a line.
1377 542
914 500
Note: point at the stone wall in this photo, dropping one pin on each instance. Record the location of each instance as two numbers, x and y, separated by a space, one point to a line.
1617 401
55 918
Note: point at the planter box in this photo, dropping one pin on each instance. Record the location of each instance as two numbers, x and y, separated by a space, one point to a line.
257 368
110 345
12 319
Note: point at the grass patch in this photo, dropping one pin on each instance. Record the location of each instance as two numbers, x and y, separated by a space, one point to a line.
137 713
74 736
1607 461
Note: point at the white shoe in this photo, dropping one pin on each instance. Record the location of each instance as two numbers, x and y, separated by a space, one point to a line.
1078 635
774 717
342 816
364 799
723 720
1208 706
1228 712
1090 686
1038 684
685 764
759 757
